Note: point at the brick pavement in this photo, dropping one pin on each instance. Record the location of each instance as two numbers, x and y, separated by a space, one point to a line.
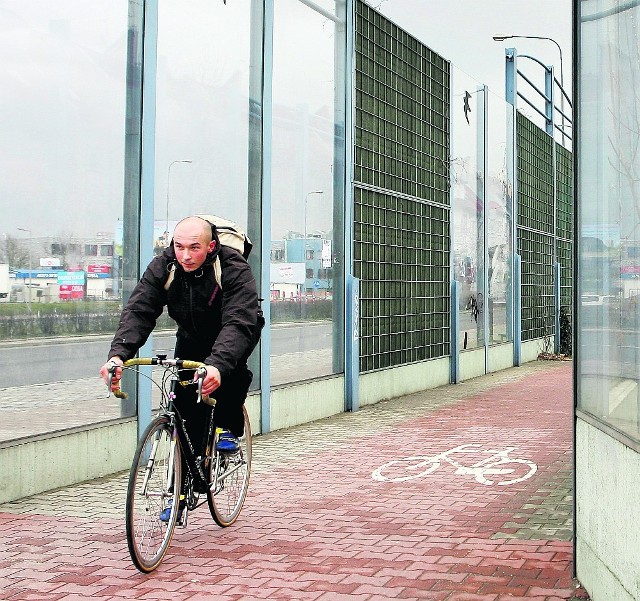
318 526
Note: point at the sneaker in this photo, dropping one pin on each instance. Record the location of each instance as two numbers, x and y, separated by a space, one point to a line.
227 443
165 514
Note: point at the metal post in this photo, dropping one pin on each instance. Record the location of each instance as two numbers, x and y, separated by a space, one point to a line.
147 185
352 362
267 121
455 341
557 298
549 101
351 343
254 183
517 312
484 128
28 231
511 93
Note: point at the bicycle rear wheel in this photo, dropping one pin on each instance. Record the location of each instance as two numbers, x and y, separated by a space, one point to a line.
154 484
229 480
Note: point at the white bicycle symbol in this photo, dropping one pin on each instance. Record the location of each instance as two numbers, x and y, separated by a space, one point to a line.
497 464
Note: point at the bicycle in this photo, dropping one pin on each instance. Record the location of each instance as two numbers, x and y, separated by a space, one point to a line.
497 464
155 480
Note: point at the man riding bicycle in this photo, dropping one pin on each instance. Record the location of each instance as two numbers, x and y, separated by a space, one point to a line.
210 292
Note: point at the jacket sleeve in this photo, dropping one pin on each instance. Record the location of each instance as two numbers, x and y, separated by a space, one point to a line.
240 307
141 312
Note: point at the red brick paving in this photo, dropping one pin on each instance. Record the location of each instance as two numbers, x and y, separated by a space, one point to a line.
319 527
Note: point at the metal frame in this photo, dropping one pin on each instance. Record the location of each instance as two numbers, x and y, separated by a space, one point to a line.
549 115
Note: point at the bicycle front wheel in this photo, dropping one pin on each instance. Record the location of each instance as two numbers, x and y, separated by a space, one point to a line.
229 480
154 486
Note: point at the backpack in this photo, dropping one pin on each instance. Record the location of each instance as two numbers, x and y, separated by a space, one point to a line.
229 234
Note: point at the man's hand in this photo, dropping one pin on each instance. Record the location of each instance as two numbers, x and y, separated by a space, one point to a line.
212 380
104 372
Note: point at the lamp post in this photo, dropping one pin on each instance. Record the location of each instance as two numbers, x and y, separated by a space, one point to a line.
24 229
306 198
501 38
171 164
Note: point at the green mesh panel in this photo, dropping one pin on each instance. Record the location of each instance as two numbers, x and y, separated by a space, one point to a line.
402 111
564 192
536 251
401 239
564 195
401 255
535 177
536 227
565 258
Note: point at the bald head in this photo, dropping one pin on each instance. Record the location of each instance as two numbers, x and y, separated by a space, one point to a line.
192 241
193 226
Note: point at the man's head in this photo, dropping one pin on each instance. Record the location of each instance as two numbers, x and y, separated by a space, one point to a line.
192 242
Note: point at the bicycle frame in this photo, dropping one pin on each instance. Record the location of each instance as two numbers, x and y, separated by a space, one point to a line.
167 406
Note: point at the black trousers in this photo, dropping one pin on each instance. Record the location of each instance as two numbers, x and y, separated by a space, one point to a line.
228 414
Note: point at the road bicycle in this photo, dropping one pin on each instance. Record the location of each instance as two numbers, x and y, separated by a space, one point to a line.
485 471
156 479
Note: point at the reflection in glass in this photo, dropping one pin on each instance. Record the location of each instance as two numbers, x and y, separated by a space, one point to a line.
63 87
303 245
206 116
499 193
467 182
609 269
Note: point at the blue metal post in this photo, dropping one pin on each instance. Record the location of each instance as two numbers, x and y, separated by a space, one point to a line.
267 121
455 340
352 362
511 93
511 70
517 312
556 295
352 284
147 185
549 101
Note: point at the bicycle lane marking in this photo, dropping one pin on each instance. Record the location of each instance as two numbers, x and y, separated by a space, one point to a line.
480 470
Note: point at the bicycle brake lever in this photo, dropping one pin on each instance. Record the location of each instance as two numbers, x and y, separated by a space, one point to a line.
202 372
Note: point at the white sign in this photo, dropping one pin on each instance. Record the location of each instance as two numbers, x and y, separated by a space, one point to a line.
326 254
287 273
49 262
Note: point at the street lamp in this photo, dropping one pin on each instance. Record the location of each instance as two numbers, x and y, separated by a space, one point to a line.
171 164
24 229
306 198
501 38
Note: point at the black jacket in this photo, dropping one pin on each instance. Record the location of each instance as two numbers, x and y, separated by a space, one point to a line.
220 327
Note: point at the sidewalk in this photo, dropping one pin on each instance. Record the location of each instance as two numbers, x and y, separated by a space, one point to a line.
318 526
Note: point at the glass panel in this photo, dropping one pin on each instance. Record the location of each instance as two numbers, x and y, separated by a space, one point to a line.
305 220
63 89
203 101
609 169
467 173
207 116
499 219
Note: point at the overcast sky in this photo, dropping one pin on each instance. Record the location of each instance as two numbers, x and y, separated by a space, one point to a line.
462 30
63 92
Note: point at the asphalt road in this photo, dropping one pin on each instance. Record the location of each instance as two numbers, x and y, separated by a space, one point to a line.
53 360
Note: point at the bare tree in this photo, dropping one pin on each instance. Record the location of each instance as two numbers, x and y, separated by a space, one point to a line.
15 252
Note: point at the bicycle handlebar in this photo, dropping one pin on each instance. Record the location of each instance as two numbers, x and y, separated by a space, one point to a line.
159 360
